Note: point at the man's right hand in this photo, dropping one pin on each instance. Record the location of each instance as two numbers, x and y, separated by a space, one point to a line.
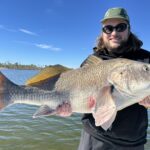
145 102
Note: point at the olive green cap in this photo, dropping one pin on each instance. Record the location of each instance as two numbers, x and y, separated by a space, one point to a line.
116 13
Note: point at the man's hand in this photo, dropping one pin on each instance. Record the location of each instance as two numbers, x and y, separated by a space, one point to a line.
145 102
64 110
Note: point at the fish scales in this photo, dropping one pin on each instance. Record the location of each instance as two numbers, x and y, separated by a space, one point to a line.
101 89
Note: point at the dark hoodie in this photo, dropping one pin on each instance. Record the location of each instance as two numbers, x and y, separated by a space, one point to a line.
130 125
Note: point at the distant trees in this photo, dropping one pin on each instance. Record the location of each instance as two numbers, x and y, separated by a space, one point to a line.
18 66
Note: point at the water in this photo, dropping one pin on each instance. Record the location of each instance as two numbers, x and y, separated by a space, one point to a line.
19 131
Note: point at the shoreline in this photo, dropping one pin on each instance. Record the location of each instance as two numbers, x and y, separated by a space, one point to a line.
1 68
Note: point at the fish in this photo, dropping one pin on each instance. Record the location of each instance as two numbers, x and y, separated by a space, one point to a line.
102 89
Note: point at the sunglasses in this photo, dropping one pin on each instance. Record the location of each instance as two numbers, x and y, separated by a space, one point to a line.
121 27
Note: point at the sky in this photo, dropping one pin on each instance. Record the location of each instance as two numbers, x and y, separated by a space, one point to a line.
49 32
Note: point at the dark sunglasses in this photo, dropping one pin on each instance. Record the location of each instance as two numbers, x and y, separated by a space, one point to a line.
121 27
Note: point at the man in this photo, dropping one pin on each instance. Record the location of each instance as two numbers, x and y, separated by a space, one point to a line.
129 129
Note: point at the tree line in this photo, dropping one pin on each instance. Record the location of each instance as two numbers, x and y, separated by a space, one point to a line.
19 66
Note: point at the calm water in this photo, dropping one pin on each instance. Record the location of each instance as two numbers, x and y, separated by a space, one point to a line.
18 131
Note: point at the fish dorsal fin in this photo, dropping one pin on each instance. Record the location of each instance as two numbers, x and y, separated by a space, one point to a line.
44 110
91 60
46 74
105 111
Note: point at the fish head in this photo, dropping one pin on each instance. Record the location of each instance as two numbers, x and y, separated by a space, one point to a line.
131 79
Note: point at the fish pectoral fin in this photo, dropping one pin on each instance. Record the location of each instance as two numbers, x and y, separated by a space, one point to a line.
105 116
44 110
105 110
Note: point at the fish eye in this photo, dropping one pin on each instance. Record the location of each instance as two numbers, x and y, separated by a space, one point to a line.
145 68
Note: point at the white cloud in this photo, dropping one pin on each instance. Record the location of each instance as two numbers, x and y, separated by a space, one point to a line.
27 31
49 47
2 27
42 46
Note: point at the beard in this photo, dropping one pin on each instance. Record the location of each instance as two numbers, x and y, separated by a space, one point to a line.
118 49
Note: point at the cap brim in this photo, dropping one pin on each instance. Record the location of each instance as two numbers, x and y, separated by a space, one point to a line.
103 20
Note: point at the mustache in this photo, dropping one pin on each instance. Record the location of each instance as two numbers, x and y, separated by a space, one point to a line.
115 37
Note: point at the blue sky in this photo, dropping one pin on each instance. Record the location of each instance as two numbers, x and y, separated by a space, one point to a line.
48 32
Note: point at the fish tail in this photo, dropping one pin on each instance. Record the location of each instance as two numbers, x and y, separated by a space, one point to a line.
5 88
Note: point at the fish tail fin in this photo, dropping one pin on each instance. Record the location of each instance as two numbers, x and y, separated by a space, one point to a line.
6 86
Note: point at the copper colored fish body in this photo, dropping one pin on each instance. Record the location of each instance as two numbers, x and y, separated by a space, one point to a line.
101 89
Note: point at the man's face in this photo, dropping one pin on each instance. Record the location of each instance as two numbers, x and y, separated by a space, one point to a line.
115 40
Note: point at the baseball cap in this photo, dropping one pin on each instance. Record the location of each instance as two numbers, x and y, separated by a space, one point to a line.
117 12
